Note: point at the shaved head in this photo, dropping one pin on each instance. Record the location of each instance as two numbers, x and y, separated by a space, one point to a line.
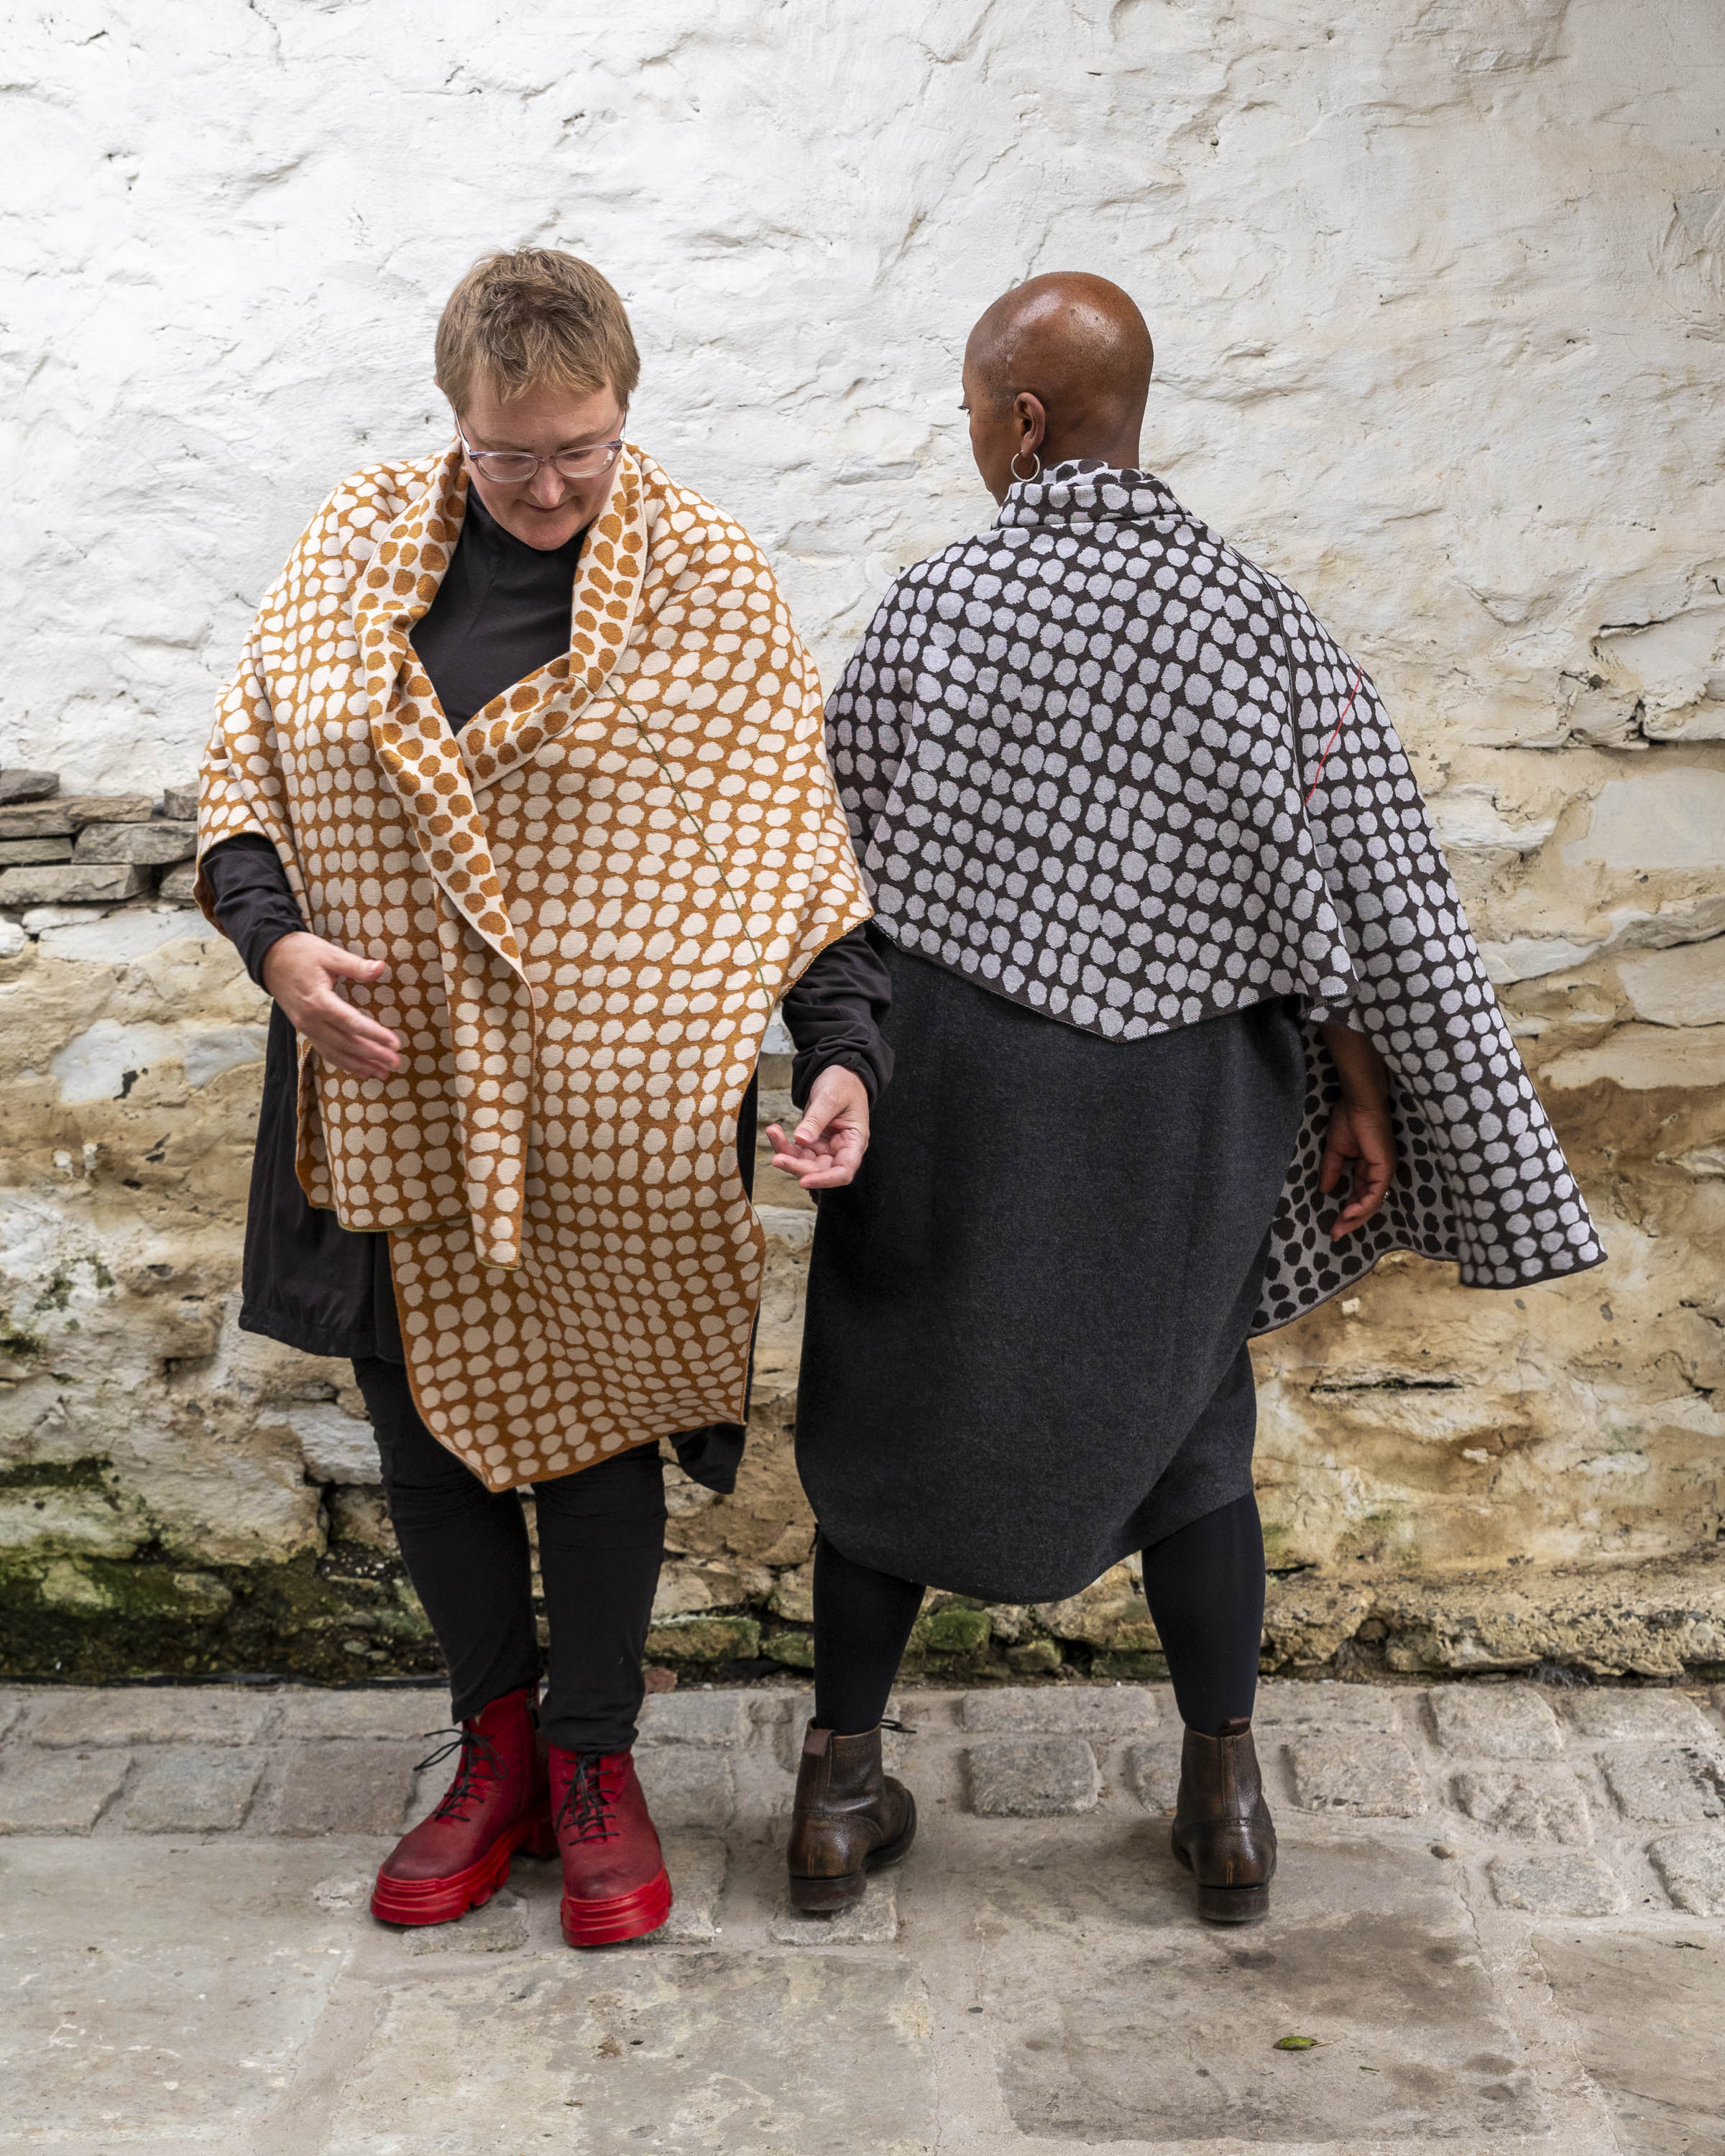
1077 342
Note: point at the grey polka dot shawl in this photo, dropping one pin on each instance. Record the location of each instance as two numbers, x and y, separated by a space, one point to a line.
1076 754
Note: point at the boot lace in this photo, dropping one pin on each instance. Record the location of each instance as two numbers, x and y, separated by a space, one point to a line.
479 1762
586 1808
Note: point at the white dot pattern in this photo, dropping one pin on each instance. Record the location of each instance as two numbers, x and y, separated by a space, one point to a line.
589 900
1075 751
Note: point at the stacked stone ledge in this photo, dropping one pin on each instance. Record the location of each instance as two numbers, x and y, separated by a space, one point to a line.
89 848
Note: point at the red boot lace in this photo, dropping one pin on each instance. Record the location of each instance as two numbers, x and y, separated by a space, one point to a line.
586 1805
478 1761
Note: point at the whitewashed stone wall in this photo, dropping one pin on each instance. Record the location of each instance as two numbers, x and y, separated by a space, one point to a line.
1438 288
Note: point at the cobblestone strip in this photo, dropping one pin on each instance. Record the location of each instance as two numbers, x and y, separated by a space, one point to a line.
1553 1795
211 1758
1560 1804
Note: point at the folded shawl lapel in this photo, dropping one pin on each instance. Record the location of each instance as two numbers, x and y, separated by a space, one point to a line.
438 774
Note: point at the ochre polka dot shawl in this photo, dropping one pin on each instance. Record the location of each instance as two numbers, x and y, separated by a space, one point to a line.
589 900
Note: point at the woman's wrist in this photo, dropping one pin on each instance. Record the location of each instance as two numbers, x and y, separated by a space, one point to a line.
270 951
1365 1078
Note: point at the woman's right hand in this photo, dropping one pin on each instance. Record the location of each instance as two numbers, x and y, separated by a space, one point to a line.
1361 1145
301 972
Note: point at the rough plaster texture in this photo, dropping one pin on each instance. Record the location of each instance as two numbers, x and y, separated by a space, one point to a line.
1439 292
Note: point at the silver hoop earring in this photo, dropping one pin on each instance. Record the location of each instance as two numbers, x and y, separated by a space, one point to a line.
1035 460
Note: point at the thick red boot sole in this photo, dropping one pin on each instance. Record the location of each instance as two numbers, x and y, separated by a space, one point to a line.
442 1901
616 1916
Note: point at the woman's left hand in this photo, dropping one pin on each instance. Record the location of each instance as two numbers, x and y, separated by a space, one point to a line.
1362 1138
826 1148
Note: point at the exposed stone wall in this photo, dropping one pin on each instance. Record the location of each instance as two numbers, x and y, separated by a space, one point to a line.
1438 290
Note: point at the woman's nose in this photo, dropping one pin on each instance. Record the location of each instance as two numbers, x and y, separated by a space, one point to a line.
547 489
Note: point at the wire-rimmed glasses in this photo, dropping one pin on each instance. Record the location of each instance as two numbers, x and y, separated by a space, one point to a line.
516 467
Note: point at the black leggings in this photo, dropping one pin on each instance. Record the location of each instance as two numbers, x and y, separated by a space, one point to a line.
601 1544
1205 1585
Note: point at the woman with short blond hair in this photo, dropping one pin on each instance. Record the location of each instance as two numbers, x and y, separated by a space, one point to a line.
517 807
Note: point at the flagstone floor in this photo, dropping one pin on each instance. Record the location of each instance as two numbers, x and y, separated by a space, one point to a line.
1499 1922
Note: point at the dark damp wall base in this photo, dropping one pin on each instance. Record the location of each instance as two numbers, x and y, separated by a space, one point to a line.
83 1601
349 1617
341 1618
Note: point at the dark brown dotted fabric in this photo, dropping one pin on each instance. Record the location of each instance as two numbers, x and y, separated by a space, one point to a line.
1076 752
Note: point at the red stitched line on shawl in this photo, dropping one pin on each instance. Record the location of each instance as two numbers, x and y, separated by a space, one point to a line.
1359 676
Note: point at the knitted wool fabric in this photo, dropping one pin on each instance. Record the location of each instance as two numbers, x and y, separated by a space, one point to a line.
1099 762
590 901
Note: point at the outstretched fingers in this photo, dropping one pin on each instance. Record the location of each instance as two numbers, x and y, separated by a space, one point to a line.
821 1155
349 1038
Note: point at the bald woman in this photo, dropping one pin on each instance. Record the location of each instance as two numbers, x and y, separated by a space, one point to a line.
1189 1031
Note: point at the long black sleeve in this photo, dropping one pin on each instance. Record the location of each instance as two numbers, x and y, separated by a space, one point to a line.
834 1015
255 906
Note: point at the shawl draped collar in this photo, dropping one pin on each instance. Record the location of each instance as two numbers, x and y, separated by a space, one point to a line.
1097 761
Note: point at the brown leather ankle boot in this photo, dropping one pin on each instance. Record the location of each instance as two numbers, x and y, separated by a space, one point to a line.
850 1819
1223 1832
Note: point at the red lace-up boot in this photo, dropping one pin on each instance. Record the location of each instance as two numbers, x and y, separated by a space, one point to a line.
614 1880
458 1858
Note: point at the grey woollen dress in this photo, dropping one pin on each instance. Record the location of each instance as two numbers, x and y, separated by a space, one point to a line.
1025 1353
1135 827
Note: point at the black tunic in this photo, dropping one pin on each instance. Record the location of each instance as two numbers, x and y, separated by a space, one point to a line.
1025 1348
501 613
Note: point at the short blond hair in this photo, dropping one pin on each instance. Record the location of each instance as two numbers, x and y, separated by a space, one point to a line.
534 316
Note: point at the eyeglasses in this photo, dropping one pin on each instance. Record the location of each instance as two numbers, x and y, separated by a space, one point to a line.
514 467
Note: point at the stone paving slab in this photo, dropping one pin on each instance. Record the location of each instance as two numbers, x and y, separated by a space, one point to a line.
1692 1864
1084 1711
141 1714
1032 1777
1557 1884
1330 1706
1495 1722
190 1790
697 1864
1157 2023
500 1926
873 1922
1639 1717
1361 1773
1673 1783
58 1792
1153 1772
1646 2009
345 1786
1549 1807
416 1714
160 1991
773 2054
696 1717
688 1785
